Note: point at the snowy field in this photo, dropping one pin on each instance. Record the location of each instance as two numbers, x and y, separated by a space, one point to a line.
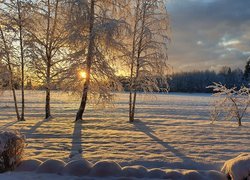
172 131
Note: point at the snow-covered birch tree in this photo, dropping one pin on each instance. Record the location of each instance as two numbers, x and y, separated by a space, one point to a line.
147 60
103 30
15 18
6 45
48 44
20 21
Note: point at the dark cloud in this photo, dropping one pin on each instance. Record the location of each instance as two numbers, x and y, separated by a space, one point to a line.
208 34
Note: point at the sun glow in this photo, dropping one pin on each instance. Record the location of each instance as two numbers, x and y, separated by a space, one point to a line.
83 74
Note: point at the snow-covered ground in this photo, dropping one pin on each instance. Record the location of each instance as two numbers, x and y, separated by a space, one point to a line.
172 131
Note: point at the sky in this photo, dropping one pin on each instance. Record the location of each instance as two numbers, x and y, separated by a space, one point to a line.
209 34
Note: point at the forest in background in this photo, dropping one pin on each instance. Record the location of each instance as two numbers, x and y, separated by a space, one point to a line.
198 81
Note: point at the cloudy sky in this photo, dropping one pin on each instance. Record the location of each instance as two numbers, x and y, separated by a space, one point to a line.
209 34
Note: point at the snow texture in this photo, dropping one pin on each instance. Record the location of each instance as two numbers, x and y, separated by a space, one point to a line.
51 166
212 174
156 173
171 131
192 175
28 165
134 171
77 168
173 175
106 168
238 168
112 170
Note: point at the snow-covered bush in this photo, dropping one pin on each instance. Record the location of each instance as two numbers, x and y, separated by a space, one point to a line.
12 144
238 168
231 103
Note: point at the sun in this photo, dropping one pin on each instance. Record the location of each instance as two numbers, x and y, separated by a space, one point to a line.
83 74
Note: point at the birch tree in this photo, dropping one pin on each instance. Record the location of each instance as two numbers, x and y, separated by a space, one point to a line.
148 54
103 28
14 12
47 44
6 55
20 24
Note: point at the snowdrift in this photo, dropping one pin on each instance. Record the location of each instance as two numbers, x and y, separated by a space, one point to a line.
235 169
107 170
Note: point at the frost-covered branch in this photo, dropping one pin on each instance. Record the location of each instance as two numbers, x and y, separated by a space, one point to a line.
232 103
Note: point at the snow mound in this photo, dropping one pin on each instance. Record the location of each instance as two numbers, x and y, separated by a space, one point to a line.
77 168
28 165
134 171
173 175
215 175
238 168
156 173
192 175
51 166
106 168
235 169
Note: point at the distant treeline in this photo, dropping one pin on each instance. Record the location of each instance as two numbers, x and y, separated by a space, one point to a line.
198 81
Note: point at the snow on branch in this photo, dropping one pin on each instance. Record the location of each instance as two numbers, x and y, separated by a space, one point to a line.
231 103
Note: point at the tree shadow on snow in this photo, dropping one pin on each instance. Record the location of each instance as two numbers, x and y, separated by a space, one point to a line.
76 147
7 125
33 129
187 163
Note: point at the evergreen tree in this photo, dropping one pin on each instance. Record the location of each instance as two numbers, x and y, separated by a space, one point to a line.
247 71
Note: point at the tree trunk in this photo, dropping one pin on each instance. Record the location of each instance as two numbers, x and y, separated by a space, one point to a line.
15 102
131 85
130 107
90 55
22 55
132 115
83 101
47 104
48 89
239 122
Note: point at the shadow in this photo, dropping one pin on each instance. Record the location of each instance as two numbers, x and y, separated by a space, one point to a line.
33 129
187 163
8 125
76 147
173 165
